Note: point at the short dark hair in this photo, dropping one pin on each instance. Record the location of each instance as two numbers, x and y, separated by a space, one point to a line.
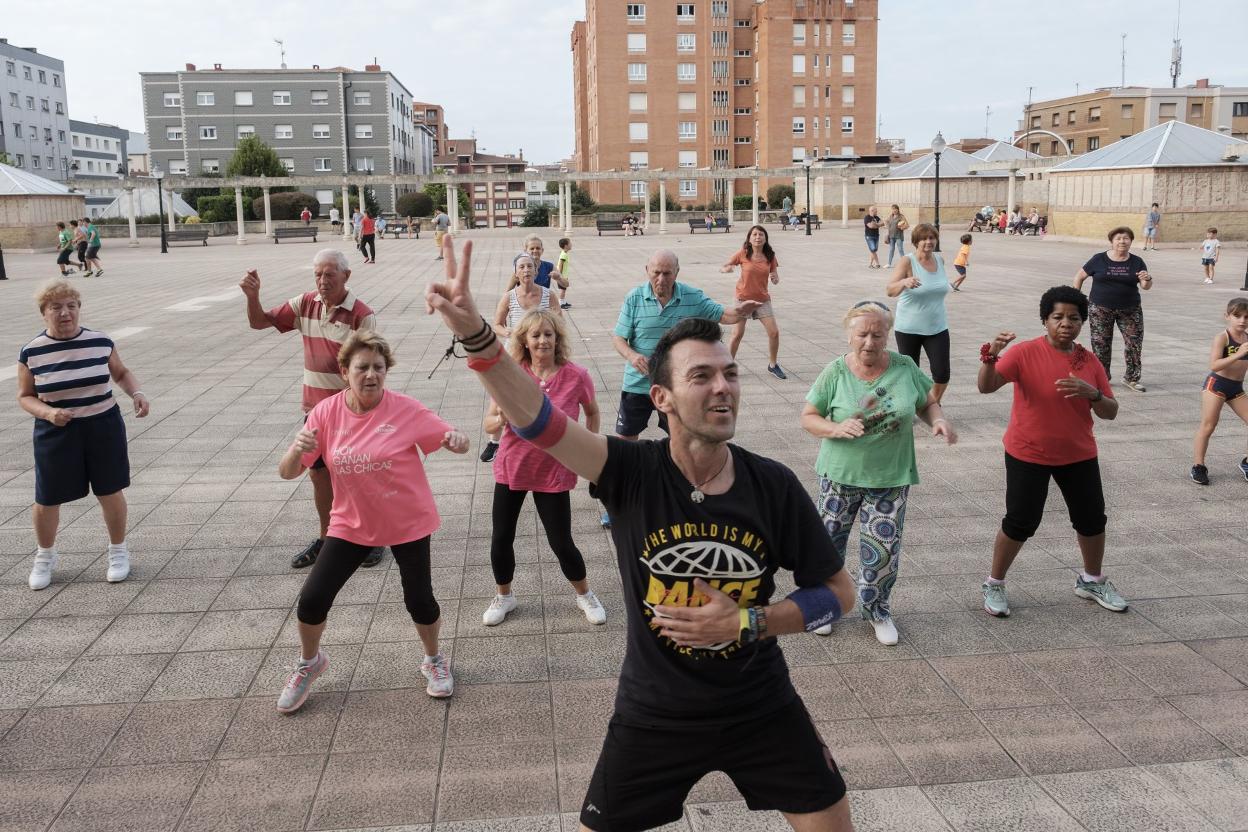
1063 294
695 329
1212 231
563 242
924 231
965 239
1154 204
1122 229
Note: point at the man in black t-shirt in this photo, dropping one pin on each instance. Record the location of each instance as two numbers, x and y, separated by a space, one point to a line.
871 223
701 527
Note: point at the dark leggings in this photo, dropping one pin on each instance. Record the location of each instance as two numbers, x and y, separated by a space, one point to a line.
369 242
937 349
338 561
555 511
1027 488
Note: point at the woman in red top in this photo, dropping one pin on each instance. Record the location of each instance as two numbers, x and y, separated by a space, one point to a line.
1058 385
758 265
368 238
539 344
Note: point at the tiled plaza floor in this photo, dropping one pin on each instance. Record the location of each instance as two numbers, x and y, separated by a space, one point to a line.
148 705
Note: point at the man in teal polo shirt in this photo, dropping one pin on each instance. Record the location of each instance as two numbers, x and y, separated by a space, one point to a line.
649 311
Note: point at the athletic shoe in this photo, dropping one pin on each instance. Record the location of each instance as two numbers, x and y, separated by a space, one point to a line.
300 683
439 257
438 672
605 519
308 556
491 448
1136 386
41 571
498 609
374 557
1200 474
885 631
594 611
118 566
825 630
954 288
1102 592
99 272
1243 467
995 602
565 305
1208 280
776 370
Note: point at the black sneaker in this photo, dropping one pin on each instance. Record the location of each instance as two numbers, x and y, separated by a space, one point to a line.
1243 467
565 305
308 556
1200 474
776 371
374 557
491 448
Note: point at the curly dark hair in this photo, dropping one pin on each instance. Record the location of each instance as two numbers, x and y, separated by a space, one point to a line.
1063 294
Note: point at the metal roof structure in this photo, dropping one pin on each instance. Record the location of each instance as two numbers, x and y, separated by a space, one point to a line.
146 203
1173 144
952 163
1003 151
17 182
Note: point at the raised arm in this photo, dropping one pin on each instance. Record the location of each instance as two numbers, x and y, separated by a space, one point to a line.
989 380
250 284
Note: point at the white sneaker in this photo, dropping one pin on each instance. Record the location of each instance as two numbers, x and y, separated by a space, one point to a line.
825 630
1208 280
594 611
438 672
41 571
498 609
885 631
118 566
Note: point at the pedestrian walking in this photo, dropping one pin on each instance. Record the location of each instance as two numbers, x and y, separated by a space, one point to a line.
93 249
896 226
368 237
65 248
441 222
306 216
79 231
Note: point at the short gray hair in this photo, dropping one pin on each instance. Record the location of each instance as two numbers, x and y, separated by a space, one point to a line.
664 254
340 259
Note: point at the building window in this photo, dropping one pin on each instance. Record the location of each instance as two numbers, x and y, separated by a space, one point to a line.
740 139
177 166
638 160
56 80
243 98
205 99
637 190
281 98
320 98
742 111
14 100
686 101
741 53
321 164
21 161
799 154
43 105
321 131
719 69
1035 148
173 99
799 95
847 95
246 130
719 8
283 131
43 77
636 41
847 124
1057 119
719 127
636 12
847 64
210 165
516 204
1094 114
1070 118
688 188
1035 122
208 133
685 42
799 125
1239 109
30 102
741 82
742 23
848 34
799 34
636 72
364 164
719 37
173 134
719 98
34 163
1053 148
10 68
325 197
1196 109
687 159
799 64
686 72
638 131
688 130
684 12
638 102
60 136
479 205
1094 142
1168 110
362 131
288 164
60 109
26 73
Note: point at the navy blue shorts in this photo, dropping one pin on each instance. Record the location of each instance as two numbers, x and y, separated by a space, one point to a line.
634 414
873 244
88 452
961 270
1223 387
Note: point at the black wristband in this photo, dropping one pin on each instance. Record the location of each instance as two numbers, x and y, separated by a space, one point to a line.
483 345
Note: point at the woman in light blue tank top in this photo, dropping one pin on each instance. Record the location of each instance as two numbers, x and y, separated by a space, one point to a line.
920 284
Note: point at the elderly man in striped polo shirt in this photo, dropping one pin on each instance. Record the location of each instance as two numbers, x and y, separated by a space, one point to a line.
648 312
325 318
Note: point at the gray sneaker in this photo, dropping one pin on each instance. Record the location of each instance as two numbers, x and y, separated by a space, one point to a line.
438 672
1102 592
995 602
299 685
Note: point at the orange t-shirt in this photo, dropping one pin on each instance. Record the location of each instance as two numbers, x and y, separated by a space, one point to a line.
964 254
752 285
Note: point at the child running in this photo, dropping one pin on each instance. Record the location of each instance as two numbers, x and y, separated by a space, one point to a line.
959 263
1210 248
1224 385
565 267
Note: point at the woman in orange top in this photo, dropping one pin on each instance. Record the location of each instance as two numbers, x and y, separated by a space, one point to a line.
758 265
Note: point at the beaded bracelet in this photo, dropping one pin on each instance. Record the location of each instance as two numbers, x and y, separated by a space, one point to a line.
986 356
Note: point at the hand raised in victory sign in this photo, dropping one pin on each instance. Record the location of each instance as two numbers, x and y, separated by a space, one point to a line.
452 298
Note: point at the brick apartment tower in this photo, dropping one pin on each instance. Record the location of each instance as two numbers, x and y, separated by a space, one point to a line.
720 84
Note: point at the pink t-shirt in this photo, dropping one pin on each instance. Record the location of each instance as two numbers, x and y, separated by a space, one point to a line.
523 467
381 494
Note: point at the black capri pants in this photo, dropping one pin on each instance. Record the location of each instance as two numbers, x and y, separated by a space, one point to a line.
368 246
555 512
937 349
338 561
1027 488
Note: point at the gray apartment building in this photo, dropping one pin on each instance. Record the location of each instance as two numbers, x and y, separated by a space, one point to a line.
34 113
320 122
99 152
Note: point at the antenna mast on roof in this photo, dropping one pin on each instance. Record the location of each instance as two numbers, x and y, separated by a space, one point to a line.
1123 82
987 118
281 44
1176 51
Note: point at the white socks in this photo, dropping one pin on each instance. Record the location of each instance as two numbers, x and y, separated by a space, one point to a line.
45 554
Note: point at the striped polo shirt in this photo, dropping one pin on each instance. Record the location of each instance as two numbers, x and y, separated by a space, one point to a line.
72 372
324 329
643 322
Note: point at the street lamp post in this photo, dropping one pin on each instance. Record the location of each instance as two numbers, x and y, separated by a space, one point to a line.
938 147
806 164
158 175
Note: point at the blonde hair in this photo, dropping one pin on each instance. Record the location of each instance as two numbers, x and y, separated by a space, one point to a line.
518 345
868 307
57 287
364 339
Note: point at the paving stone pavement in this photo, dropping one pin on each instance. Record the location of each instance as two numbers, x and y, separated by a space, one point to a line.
148 705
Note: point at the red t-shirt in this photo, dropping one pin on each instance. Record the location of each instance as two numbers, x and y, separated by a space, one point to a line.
381 494
368 225
524 467
752 285
1045 427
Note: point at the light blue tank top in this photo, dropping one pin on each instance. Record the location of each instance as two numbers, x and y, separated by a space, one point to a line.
921 311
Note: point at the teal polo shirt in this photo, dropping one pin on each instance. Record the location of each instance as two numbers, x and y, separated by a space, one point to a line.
643 322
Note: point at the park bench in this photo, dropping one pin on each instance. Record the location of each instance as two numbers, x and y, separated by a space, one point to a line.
396 230
290 233
785 224
720 222
187 235
609 225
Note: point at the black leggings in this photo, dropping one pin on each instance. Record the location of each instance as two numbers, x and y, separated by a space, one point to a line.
1027 488
555 511
338 561
369 242
937 349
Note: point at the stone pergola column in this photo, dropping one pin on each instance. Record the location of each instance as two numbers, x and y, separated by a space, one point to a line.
754 201
134 231
567 210
559 207
173 219
348 232
1010 190
647 203
662 206
238 215
844 201
452 205
268 215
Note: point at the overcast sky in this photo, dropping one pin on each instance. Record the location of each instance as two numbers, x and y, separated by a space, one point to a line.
505 69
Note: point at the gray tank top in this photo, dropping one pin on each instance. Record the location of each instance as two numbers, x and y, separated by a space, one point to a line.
515 311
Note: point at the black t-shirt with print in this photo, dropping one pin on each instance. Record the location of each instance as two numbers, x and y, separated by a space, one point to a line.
1115 284
866 225
735 542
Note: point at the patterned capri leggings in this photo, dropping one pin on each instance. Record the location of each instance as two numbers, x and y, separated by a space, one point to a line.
881 514
1130 323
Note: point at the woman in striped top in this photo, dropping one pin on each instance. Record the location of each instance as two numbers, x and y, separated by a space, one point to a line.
64 380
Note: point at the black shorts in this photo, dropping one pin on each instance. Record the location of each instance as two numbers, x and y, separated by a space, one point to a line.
777 761
85 452
92 252
1224 388
63 258
634 414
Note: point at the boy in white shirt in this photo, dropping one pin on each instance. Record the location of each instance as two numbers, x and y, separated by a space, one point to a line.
1210 248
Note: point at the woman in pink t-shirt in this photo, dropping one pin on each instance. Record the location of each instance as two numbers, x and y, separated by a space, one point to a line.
539 343
372 441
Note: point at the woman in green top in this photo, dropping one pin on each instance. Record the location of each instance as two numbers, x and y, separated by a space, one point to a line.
863 406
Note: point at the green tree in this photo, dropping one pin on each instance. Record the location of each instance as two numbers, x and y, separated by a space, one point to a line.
537 217
370 201
581 201
672 205
777 193
252 157
4 159
415 204
437 193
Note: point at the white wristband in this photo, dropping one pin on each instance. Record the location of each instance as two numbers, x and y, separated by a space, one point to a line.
138 393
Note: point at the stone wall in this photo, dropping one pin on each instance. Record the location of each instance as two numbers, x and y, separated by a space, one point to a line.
28 222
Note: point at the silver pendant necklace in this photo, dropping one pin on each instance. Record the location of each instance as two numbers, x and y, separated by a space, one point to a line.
696 495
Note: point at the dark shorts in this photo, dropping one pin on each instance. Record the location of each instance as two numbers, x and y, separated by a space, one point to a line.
319 465
82 250
63 257
634 414
1206 261
92 252
777 762
961 270
85 453
1224 388
873 244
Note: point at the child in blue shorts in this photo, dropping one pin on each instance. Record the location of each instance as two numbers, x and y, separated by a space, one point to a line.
1228 364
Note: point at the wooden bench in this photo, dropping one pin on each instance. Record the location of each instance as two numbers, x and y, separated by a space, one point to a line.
396 230
187 235
609 225
786 225
290 233
720 222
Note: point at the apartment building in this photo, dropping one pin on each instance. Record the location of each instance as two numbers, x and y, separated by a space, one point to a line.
1095 119
433 117
100 153
34 112
499 203
320 121
721 84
